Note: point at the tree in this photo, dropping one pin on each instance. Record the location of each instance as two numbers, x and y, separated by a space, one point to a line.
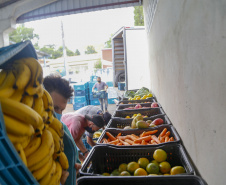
138 16
108 43
97 65
90 50
21 33
68 51
77 52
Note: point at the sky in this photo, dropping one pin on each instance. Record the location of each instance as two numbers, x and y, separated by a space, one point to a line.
81 30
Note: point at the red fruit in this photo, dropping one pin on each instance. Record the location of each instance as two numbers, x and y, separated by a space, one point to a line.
154 104
158 121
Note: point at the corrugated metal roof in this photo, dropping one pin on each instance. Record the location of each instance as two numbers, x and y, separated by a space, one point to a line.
67 7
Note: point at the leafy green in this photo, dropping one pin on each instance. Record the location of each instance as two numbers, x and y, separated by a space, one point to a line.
129 94
143 91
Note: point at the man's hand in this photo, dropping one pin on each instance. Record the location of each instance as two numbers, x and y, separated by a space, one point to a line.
77 167
64 177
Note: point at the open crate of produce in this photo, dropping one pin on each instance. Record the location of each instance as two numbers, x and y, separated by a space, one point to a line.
144 112
137 106
147 180
163 134
121 123
139 92
106 159
148 100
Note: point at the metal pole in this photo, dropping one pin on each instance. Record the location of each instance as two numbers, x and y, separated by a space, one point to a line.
64 49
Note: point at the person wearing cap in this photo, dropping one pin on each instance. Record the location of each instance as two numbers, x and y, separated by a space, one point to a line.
78 124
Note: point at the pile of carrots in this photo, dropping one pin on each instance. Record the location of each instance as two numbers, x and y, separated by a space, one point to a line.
145 138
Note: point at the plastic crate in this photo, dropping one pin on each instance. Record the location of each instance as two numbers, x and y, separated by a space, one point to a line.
80 92
12 169
121 107
146 112
93 78
108 158
91 84
122 102
115 132
121 86
88 147
109 84
120 123
144 180
77 106
94 102
80 99
79 86
111 100
97 95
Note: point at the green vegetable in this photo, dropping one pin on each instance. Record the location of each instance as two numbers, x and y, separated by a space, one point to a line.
129 94
143 91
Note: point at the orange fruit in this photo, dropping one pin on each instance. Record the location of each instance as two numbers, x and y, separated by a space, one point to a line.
143 162
132 166
177 170
160 155
125 173
140 172
164 167
154 161
122 167
106 174
115 173
152 168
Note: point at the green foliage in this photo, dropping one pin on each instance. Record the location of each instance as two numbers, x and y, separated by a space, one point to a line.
108 43
98 64
21 33
138 16
77 52
90 50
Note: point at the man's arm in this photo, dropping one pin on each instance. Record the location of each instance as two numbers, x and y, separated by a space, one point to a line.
106 87
90 141
93 87
80 145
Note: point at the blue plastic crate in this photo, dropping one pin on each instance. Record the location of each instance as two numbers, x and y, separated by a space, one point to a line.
79 86
91 84
110 84
12 169
97 95
94 102
111 100
80 99
93 78
121 86
80 93
88 147
77 106
70 100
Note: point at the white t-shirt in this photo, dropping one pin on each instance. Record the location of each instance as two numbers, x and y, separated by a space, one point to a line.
90 110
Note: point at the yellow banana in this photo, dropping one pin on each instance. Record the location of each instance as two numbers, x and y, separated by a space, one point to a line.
16 127
32 146
20 151
47 100
17 95
6 89
38 105
21 112
26 142
44 116
28 100
38 76
42 162
63 161
22 74
3 75
39 92
41 172
50 117
57 140
40 128
56 176
43 150
46 179
57 126
17 139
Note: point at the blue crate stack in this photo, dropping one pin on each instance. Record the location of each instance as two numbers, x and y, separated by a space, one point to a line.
80 99
90 84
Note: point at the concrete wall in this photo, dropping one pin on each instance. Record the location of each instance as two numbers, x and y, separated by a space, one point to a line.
187 62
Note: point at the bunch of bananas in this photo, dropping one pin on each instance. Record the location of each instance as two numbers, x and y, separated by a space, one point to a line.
28 115
96 134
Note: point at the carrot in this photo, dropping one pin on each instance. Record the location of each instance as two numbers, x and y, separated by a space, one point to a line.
163 132
171 139
129 141
110 136
119 144
105 140
166 138
154 143
168 133
162 140
122 137
135 136
145 138
150 132
142 134
143 142
114 142
155 139
131 137
108 140
124 143
119 134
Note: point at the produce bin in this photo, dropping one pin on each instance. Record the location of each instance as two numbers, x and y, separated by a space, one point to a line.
120 123
115 132
149 100
135 90
147 105
142 180
103 159
146 112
